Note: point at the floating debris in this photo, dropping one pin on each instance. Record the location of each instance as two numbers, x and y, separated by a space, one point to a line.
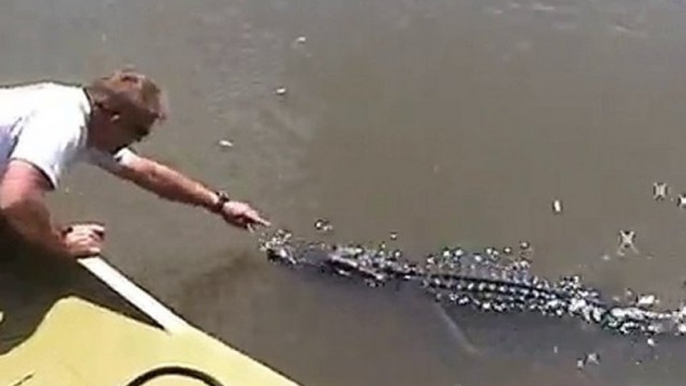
301 40
659 191
651 342
589 359
323 226
557 207
225 144
507 251
593 358
281 91
627 240
394 235
580 363
681 201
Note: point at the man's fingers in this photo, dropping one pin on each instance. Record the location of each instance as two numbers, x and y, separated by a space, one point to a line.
85 248
243 216
91 241
87 234
89 252
262 222
88 228
84 239
256 219
98 230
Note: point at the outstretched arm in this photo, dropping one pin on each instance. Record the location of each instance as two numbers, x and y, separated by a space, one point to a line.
175 186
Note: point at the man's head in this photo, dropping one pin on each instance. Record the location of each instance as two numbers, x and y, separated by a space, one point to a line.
125 105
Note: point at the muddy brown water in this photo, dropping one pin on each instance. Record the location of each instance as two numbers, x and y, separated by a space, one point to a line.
448 122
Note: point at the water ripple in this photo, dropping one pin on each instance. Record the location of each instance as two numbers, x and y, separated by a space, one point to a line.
489 281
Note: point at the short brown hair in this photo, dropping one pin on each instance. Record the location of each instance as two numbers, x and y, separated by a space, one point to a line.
125 89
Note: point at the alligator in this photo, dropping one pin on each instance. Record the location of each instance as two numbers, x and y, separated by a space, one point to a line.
485 281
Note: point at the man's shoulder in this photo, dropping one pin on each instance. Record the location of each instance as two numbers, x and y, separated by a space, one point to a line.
42 87
66 103
56 94
57 112
44 96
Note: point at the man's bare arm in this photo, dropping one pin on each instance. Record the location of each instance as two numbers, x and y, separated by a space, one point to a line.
175 186
22 206
22 203
166 182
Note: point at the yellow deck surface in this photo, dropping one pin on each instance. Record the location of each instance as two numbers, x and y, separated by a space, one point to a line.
52 335
79 343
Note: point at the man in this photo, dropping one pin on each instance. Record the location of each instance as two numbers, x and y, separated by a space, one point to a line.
47 127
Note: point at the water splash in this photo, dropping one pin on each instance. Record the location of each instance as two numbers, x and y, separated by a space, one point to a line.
491 282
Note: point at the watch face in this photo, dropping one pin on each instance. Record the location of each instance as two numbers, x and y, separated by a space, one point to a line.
222 199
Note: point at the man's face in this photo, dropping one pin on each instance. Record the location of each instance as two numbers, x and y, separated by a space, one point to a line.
122 128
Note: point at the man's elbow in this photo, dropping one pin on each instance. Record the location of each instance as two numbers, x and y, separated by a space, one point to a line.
17 208
14 196
134 168
10 204
23 184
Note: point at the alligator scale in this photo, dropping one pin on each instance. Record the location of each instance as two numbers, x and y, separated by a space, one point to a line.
489 281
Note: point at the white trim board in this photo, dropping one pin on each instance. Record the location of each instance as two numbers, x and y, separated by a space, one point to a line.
142 300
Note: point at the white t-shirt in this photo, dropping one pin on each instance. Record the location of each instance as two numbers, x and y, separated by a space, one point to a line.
44 124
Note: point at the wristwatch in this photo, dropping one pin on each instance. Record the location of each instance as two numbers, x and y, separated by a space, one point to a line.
222 199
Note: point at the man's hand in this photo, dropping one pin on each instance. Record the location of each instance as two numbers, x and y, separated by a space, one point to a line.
83 240
242 215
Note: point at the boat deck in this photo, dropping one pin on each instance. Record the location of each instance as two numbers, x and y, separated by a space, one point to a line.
62 326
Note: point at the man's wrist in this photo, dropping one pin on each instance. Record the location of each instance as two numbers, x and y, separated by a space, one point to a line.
221 199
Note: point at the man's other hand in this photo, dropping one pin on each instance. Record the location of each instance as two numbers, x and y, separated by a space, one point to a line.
83 240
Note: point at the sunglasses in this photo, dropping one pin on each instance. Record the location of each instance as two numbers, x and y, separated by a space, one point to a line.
138 131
